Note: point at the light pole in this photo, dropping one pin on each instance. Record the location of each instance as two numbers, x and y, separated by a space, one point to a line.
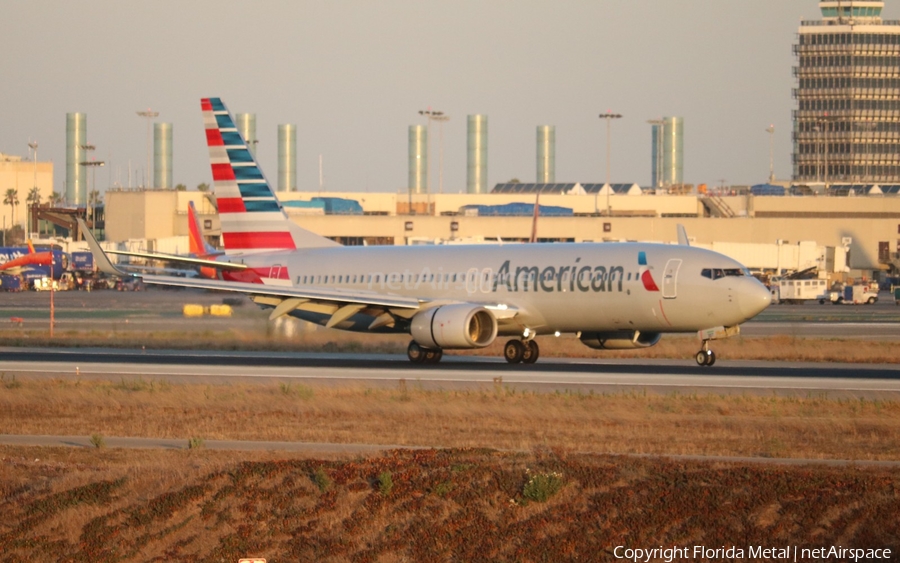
771 131
824 121
149 114
867 128
93 164
818 130
33 145
438 116
608 116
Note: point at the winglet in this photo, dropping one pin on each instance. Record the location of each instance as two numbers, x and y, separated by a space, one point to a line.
100 257
682 236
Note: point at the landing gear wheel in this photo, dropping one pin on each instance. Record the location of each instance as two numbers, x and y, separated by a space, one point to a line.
701 358
416 353
433 356
705 358
514 351
532 352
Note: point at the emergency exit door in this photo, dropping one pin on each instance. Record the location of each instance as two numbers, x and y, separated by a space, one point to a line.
670 278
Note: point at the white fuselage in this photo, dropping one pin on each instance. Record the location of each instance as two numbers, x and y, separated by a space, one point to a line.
564 287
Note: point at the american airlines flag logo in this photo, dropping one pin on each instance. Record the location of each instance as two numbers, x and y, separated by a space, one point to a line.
252 218
646 276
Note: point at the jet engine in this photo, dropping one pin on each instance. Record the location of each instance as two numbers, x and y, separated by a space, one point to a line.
620 339
454 326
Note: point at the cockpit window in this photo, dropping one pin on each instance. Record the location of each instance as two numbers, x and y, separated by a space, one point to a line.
717 273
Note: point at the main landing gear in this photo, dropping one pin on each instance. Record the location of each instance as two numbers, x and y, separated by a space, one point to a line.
524 351
419 355
705 357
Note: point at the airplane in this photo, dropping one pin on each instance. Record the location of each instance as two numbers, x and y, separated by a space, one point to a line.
27 262
610 295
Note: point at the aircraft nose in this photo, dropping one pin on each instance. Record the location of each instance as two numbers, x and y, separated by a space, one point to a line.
754 298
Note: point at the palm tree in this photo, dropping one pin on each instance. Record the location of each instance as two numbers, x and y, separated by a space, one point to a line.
55 198
203 187
12 200
33 199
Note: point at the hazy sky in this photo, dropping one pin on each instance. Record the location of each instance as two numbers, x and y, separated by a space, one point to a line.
352 76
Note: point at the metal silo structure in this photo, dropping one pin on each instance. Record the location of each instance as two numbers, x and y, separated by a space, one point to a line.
673 155
287 158
76 174
546 154
418 159
656 152
477 161
246 126
162 156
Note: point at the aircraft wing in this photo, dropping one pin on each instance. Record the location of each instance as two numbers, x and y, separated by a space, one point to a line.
180 259
287 292
340 304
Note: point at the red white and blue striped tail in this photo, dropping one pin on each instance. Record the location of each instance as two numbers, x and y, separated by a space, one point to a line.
251 216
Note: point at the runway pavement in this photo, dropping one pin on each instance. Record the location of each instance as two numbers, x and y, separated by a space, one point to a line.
454 372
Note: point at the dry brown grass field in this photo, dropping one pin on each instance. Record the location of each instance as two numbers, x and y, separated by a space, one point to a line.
63 504
498 417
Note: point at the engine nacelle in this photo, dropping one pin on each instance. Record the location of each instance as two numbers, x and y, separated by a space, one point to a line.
454 326
620 339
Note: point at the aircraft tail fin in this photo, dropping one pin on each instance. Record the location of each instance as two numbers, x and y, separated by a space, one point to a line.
682 236
252 218
30 247
198 246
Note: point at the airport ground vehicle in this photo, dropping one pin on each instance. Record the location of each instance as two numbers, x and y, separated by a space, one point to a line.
65 282
852 295
11 283
796 291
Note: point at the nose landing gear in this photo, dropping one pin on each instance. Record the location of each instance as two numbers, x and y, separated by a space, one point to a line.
524 351
705 357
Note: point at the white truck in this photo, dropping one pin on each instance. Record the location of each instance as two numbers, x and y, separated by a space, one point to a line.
797 291
852 295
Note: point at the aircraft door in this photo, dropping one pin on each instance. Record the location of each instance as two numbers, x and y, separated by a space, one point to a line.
670 277
275 271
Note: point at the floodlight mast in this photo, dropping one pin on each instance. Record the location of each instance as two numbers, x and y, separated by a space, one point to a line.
149 114
33 145
608 116
440 118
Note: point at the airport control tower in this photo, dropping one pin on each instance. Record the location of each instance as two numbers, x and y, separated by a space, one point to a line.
847 121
